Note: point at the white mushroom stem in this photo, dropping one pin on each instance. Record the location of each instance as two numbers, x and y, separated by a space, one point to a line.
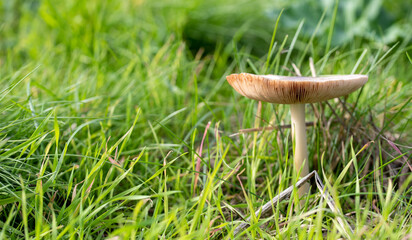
299 137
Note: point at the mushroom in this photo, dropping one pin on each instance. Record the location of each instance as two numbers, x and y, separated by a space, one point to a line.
296 91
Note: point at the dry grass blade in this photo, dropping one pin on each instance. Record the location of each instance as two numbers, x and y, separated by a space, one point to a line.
297 70
199 161
269 128
400 153
312 67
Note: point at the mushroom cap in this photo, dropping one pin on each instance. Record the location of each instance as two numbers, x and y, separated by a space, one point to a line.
292 90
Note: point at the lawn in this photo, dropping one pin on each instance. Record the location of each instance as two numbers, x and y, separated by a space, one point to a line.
117 121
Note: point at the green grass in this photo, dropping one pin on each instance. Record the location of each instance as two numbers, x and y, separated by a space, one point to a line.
104 108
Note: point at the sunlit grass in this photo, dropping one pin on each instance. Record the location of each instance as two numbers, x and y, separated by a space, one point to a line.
104 109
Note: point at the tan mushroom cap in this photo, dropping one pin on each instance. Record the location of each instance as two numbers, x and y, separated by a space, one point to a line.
291 90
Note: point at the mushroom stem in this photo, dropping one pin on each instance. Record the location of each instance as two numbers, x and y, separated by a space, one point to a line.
301 149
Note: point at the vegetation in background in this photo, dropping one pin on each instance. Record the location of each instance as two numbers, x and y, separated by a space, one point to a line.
117 121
